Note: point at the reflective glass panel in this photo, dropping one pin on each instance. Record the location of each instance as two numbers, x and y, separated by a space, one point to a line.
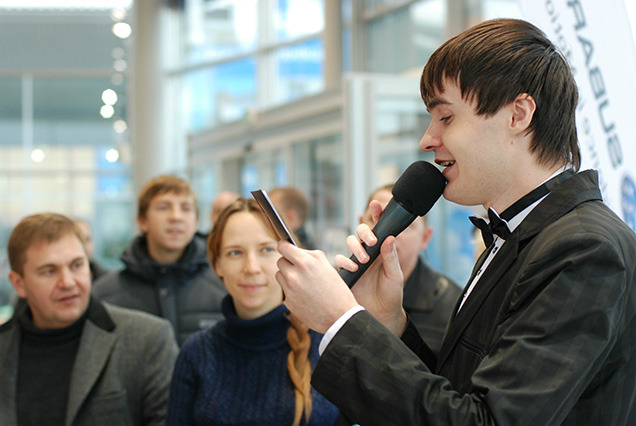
218 94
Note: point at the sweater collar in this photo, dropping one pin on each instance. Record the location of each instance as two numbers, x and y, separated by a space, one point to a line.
266 330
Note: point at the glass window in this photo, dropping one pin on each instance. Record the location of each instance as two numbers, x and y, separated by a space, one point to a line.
219 29
248 54
417 29
297 18
219 94
299 70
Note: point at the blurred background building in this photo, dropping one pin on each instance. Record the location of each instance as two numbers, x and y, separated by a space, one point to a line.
97 96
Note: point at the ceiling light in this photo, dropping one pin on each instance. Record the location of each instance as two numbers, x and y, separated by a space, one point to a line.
107 111
122 29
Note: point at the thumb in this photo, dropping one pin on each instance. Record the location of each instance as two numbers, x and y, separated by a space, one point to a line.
388 252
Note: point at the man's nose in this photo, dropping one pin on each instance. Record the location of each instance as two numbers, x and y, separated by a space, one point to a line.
429 141
176 212
67 278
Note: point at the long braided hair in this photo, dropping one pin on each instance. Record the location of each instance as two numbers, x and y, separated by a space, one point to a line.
298 364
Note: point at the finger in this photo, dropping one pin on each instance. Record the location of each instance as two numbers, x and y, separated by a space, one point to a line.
388 252
366 234
284 247
375 207
343 261
356 248
280 278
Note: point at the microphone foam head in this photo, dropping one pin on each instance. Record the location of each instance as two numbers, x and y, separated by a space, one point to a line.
419 187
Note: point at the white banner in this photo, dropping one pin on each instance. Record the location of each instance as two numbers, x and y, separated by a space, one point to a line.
596 38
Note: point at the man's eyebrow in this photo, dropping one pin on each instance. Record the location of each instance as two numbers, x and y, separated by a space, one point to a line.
55 265
45 266
435 102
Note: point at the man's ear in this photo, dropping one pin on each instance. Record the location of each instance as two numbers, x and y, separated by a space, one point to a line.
523 108
426 237
141 223
17 282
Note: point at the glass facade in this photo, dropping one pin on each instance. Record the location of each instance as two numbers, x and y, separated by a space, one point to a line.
64 149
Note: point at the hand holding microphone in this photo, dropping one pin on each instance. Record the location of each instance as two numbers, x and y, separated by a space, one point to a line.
414 193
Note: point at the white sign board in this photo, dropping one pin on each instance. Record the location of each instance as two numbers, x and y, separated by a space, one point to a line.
596 38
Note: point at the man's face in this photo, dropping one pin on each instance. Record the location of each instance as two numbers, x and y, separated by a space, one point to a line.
475 150
169 225
55 281
410 242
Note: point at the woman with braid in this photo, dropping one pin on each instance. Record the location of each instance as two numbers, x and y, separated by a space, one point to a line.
254 367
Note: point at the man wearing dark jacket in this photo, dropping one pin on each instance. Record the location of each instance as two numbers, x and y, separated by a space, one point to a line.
166 271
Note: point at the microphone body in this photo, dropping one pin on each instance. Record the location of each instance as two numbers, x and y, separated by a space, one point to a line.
394 220
414 193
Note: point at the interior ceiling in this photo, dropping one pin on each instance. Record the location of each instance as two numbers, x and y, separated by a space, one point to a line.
70 56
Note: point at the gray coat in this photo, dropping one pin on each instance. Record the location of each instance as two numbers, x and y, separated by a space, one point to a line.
122 370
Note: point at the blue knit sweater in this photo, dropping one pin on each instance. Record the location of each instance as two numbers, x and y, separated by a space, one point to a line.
236 374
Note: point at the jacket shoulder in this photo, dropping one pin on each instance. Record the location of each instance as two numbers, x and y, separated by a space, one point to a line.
125 316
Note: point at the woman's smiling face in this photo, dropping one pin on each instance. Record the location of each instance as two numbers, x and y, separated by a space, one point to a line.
247 265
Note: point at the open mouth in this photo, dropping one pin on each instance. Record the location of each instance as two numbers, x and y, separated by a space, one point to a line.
446 163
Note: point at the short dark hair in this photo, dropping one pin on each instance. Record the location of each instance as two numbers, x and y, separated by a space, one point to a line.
497 60
47 227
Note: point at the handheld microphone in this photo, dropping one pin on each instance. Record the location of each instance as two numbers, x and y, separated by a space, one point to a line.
414 193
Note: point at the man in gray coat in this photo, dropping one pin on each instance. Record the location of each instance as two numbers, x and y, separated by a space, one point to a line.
66 359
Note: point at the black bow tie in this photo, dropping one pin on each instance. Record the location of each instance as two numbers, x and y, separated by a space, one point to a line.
496 226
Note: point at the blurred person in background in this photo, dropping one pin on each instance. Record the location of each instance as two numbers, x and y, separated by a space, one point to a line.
97 270
297 209
165 268
221 201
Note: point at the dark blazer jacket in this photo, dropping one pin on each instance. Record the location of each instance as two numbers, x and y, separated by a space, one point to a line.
547 337
122 370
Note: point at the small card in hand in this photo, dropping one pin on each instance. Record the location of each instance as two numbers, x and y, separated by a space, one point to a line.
272 214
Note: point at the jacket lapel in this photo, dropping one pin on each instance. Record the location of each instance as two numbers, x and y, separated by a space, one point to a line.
579 188
498 266
94 351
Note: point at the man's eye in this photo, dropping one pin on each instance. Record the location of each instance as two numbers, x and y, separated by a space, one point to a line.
445 118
